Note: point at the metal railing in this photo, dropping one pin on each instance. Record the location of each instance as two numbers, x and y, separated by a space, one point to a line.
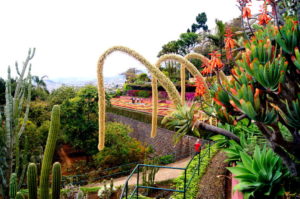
84 179
187 182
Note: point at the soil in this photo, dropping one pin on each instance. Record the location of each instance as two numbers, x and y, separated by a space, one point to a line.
68 156
214 183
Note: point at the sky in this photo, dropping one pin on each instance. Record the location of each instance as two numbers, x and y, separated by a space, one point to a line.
70 35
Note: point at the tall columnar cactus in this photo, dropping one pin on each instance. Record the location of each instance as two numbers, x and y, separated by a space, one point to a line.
19 196
13 129
49 151
32 181
56 180
155 72
13 186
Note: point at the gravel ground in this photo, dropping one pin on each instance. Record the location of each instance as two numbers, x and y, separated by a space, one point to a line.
213 183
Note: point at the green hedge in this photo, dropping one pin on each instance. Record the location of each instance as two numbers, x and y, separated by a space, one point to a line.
136 115
194 186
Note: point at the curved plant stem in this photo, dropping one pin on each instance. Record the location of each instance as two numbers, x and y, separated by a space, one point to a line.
155 72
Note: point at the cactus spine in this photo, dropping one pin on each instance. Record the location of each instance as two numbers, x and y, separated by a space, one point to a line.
49 151
13 186
32 180
56 180
19 196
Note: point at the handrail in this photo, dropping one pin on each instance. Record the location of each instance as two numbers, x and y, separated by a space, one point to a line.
186 185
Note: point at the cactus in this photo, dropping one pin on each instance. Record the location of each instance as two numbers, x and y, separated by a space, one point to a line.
32 180
56 180
49 150
12 128
80 195
20 196
148 174
13 185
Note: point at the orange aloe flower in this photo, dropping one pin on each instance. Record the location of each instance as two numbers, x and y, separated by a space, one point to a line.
246 12
200 88
263 19
214 63
229 43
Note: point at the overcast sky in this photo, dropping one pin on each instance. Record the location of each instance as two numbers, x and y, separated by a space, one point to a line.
70 35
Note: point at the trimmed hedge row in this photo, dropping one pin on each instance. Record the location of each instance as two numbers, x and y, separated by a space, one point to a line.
136 115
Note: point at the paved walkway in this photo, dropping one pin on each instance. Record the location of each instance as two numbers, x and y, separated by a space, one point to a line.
162 175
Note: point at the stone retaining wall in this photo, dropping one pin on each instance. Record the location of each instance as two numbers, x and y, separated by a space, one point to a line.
162 143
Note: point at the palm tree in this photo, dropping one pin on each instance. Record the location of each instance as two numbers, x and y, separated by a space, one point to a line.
39 82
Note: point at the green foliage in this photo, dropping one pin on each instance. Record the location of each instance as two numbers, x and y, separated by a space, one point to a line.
13 184
56 180
201 20
119 147
194 186
136 115
2 91
32 181
80 119
218 38
250 137
39 111
182 121
293 114
260 176
20 196
166 159
49 151
264 87
105 192
289 37
61 94
149 173
144 94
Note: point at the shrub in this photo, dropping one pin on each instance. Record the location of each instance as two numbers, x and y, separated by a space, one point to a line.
132 93
119 147
136 115
144 94
166 159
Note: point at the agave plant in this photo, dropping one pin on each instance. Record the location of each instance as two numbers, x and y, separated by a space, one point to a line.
260 176
182 120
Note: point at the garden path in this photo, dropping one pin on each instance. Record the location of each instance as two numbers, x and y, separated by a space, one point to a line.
162 175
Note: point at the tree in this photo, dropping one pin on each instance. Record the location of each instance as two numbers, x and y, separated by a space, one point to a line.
131 74
39 82
201 20
61 94
79 119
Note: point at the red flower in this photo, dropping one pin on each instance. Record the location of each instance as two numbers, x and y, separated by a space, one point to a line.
246 12
200 87
214 63
229 43
263 19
